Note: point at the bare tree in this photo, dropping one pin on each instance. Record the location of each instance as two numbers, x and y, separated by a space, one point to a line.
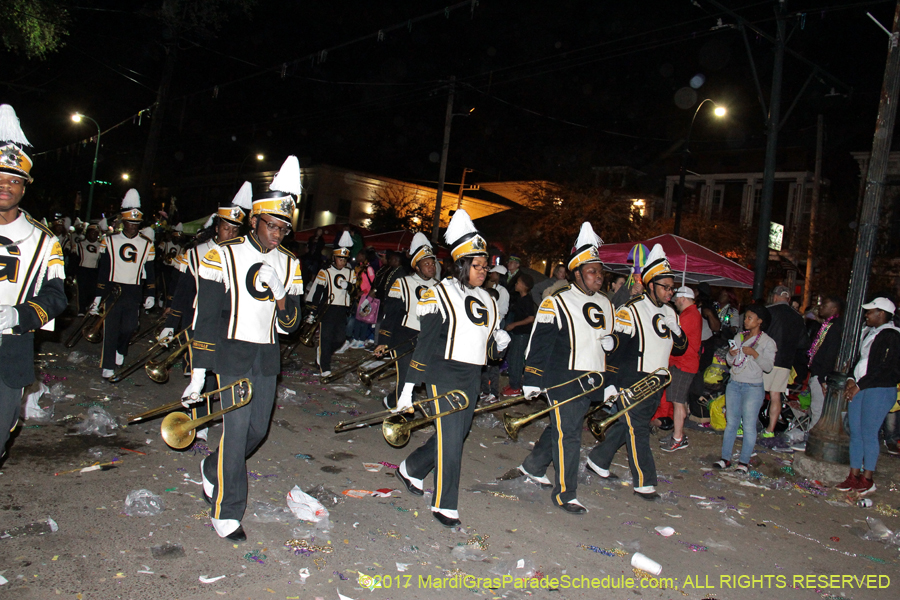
396 207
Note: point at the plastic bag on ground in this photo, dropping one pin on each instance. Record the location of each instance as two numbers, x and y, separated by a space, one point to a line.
325 495
305 506
470 553
98 422
263 512
77 357
33 411
57 391
143 503
39 528
487 420
878 531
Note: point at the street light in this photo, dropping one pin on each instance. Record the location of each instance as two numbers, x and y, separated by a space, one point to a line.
77 117
719 111
126 176
259 158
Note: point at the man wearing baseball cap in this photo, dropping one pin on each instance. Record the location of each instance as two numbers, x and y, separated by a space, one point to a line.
789 332
871 393
684 367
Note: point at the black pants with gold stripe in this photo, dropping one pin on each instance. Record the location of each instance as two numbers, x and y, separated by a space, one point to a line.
443 450
560 442
120 325
332 334
633 430
243 431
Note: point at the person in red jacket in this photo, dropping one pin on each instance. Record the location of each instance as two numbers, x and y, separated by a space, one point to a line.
683 367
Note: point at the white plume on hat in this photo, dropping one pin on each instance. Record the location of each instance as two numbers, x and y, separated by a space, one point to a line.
655 254
587 236
460 225
10 129
149 232
209 221
346 240
78 222
288 177
179 228
244 196
418 241
103 224
131 200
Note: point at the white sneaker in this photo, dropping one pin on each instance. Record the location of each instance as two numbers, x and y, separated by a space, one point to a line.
325 374
107 373
543 480
357 345
203 434
120 360
343 348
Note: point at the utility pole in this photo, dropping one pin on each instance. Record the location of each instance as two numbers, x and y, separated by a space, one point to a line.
813 215
462 187
827 440
768 186
436 226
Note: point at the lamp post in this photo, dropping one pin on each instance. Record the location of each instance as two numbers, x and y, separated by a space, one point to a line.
719 111
259 157
77 117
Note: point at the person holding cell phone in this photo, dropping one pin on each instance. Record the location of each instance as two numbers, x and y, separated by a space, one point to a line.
751 355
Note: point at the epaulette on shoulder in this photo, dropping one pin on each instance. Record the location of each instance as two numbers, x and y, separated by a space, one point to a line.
148 240
634 300
565 288
233 241
38 224
286 252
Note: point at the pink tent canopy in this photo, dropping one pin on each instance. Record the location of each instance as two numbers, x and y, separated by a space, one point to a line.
693 263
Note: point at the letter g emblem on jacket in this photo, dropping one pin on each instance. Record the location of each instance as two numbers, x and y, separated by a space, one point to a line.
128 253
593 315
257 290
477 311
659 326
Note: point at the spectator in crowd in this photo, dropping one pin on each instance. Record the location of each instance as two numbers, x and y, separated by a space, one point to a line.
556 280
789 332
513 263
494 281
519 320
728 311
752 355
871 393
358 331
684 367
823 354
614 283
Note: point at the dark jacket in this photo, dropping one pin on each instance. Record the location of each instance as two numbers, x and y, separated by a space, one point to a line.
883 368
788 331
823 362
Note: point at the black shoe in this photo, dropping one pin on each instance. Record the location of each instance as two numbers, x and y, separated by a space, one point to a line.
237 535
444 520
410 487
650 497
573 508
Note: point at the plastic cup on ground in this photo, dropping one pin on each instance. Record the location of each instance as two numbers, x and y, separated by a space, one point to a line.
639 561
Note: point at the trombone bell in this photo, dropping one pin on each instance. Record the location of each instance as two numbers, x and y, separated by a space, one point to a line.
176 430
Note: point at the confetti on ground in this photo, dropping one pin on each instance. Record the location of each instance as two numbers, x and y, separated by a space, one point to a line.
504 496
256 556
604 551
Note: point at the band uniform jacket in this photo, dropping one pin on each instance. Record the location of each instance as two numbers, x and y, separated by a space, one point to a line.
332 286
457 333
566 335
126 261
184 300
238 318
87 253
643 341
401 319
32 275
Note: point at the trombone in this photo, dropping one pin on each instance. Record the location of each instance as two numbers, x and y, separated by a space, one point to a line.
376 373
91 325
152 353
396 428
158 370
364 375
634 395
139 335
589 382
178 429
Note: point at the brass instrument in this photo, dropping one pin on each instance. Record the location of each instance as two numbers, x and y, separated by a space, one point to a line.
589 382
158 370
308 331
367 376
178 429
396 428
634 395
364 376
151 353
92 331
139 335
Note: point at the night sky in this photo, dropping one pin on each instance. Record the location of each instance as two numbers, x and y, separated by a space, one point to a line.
557 88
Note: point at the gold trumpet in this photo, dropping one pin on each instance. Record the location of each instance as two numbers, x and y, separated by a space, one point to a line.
396 428
93 323
641 390
178 429
158 370
151 353
367 376
589 382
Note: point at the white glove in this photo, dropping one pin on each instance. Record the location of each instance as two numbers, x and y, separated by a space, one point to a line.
95 307
311 318
165 333
607 342
149 301
502 338
9 317
531 391
191 393
268 276
405 402
672 324
609 394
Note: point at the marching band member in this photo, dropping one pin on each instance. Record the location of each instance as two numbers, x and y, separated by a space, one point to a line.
401 323
169 250
459 331
87 253
329 296
32 274
647 331
251 290
126 259
571 336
